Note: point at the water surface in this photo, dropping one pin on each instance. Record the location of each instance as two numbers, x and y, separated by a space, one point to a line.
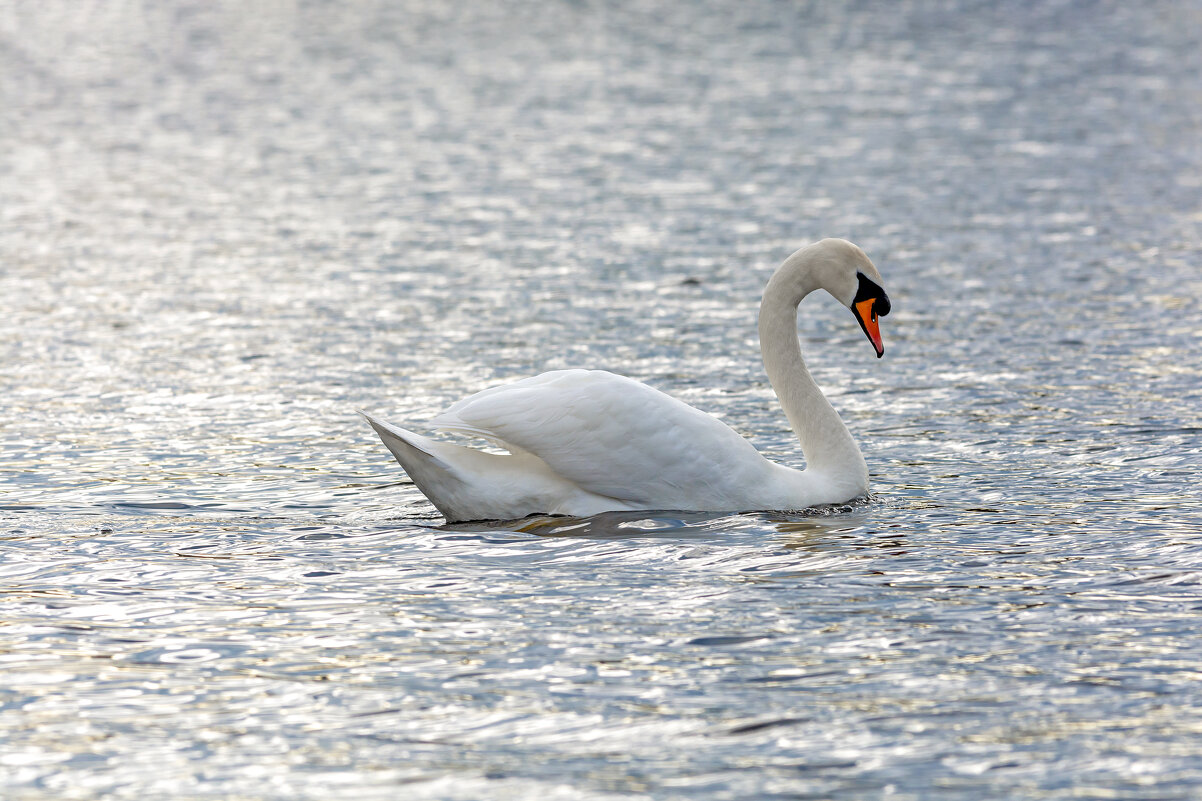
221 232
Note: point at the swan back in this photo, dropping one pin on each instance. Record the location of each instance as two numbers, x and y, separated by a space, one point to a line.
612 436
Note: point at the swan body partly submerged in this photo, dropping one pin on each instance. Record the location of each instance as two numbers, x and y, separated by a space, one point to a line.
582 442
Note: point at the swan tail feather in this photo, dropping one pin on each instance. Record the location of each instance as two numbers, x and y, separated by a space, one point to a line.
406 446
442 471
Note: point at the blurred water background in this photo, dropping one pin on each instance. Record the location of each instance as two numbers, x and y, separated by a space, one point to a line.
226 226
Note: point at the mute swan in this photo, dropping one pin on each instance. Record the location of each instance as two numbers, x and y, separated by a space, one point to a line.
582 442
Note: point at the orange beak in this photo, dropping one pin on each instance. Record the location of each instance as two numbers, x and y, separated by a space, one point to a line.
865 313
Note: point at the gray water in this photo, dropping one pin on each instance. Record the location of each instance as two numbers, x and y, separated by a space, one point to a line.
224 227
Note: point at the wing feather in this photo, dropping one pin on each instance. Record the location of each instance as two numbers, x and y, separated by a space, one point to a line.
612 436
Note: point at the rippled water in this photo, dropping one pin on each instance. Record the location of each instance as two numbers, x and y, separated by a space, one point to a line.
222 230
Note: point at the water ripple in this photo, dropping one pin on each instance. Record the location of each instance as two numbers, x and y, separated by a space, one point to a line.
221 232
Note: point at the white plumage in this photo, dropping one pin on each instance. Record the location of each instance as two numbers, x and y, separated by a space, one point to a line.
582 442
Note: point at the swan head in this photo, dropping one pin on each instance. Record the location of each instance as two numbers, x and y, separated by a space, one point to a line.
845 271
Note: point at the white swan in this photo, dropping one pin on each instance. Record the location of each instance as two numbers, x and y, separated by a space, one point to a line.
582 442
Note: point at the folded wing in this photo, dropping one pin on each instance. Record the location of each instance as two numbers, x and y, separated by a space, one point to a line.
613 436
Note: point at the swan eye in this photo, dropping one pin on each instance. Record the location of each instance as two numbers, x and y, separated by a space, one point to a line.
871 290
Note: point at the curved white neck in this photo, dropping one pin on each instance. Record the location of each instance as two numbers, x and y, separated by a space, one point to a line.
829 449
